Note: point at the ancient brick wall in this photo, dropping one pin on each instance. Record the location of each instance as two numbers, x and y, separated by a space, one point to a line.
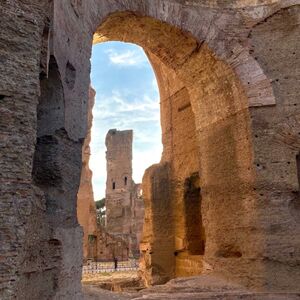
121 235
38 185
124 209
179 138
86 209
244 98
98 243
275 134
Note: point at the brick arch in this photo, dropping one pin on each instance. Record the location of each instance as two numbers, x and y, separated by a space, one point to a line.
203 92
213 23
262 253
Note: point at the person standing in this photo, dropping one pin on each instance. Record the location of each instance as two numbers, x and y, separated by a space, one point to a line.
116 263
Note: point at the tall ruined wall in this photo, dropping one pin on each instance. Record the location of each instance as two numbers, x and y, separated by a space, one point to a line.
119 181
86 208
98 244
236 60
124 208
275 134
41 250
138 213
179 138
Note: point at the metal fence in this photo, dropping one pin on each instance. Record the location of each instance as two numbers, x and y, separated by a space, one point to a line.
108 267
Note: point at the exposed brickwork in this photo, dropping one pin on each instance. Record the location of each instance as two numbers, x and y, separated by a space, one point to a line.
216 55
120 237
124 207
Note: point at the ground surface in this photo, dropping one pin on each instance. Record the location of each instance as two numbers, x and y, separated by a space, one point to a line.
120 281
198 287
91 293
101 285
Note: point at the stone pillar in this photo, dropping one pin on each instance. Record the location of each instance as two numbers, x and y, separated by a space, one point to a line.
86 210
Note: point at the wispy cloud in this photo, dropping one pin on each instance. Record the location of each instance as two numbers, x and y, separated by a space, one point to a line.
115 111
127 58
127 98
139 110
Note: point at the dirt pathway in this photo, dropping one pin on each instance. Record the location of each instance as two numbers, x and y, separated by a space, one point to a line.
95 293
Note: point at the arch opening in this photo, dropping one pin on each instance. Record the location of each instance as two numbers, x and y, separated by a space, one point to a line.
118 83
205 125
201 102
247 182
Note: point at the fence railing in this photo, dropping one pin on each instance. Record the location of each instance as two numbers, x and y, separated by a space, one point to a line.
108 267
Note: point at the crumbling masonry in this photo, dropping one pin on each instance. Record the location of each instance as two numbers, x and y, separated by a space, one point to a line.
121 235
124 206
228 74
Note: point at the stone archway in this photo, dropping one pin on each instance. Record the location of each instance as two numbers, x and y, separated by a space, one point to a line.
246 156
202 101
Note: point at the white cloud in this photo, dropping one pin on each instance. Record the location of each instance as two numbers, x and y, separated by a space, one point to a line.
115 105
127 103
127 58
115 111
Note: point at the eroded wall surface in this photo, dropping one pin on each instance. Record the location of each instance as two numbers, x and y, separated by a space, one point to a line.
275 137
238 61
181 152
121 236
124 207
86 209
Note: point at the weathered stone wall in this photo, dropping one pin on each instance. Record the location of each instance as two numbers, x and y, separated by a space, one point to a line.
108 247
119 181
275 135
39 231
179 138
247 148
98 244
124 209
86 208
157 263
138 213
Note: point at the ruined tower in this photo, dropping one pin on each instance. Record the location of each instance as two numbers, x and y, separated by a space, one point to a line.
124 207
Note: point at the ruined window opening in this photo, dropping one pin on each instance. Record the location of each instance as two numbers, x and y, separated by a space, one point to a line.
114 185
195 234
125 180
92 238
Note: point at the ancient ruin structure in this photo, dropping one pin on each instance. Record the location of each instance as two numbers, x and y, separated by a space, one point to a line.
228 74
101 243
121 236
124 206
86 209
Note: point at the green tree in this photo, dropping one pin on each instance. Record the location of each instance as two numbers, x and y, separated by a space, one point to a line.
101 211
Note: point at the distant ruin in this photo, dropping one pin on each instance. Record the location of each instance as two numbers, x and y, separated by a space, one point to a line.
124 204
120 236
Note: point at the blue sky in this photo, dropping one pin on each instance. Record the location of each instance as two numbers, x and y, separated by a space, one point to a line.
126 98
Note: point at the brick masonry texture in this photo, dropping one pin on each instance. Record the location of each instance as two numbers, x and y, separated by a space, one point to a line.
228 74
